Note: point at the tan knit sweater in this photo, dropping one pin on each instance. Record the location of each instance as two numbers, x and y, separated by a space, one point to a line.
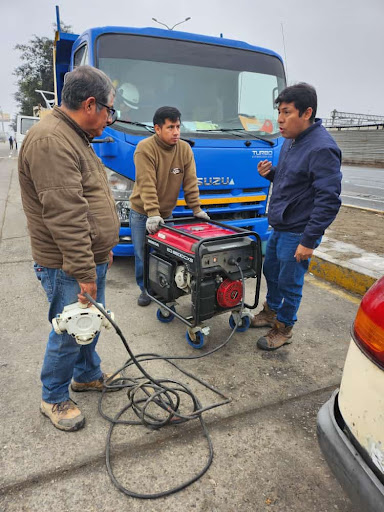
160 172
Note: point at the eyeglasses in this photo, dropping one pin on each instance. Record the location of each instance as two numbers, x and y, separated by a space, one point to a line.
111 112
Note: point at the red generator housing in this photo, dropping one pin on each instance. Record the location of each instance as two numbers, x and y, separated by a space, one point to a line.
207 260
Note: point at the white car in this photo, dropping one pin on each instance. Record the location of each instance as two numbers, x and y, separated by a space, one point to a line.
350 426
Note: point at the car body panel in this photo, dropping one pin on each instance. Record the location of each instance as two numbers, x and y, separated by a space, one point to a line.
358 480
361 403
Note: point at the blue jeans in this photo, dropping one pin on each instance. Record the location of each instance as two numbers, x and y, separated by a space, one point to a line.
137 223
284 275
64 358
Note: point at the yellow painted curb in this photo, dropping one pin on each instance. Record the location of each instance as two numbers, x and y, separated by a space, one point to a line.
347 278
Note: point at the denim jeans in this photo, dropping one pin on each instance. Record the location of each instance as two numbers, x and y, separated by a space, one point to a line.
64 358
284 275
137 222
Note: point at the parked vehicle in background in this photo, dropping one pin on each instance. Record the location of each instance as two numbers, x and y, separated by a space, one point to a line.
225 91
23 124
350 426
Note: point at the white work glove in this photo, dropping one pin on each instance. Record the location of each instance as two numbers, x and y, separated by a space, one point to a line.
153 224
202 215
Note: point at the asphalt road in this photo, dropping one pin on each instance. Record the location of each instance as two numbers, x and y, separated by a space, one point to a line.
266 452
363 186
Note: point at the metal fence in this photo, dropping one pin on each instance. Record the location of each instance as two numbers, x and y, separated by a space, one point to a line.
351 119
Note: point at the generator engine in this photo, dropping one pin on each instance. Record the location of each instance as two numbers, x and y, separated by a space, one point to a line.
201 259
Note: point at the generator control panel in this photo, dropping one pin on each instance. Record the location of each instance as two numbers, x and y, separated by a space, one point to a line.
241 251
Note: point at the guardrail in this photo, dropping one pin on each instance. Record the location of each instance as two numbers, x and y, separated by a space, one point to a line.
327 123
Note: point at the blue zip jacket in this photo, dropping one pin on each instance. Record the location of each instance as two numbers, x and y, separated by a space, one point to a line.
306 185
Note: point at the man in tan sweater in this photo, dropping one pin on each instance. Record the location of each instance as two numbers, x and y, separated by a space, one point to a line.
163 164
73 226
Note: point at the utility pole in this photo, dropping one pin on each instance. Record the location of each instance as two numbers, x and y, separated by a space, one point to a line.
285 53
175 25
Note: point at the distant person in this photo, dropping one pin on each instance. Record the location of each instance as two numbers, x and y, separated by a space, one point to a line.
73 225
10 142
163 164
127 99
305 200
15 141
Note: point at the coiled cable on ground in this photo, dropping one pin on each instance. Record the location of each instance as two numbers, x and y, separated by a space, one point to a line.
144 391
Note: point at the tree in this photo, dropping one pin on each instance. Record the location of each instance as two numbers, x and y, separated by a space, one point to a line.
36 71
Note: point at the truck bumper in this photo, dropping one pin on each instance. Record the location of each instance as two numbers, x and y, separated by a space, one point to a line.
125 246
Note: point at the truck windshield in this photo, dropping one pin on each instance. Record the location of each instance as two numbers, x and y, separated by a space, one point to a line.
216 88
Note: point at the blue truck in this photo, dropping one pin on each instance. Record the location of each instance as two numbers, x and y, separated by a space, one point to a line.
225 91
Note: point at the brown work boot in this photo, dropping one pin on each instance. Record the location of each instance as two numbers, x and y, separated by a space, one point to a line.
64 415
96 385
279 335
265 318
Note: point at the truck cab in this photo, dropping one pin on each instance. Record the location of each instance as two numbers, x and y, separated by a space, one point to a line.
23 125
225 91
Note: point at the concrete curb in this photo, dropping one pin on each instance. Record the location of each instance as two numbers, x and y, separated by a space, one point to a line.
341 275
371 210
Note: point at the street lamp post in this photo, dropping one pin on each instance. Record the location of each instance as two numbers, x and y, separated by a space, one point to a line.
175 25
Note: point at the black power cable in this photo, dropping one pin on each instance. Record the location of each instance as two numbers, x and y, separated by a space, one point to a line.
146 390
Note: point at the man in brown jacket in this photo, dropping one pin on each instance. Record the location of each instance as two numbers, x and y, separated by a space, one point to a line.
163 164
73 226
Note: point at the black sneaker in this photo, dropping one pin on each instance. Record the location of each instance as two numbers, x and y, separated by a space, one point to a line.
143 299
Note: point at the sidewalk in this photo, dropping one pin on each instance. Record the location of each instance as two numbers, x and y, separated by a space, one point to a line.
267 457
352 266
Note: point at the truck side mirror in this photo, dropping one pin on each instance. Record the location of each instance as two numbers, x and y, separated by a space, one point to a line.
275 93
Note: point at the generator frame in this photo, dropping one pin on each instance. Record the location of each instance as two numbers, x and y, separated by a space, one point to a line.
192 321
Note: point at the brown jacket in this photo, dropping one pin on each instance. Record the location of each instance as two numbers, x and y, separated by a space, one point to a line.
70 210
160 171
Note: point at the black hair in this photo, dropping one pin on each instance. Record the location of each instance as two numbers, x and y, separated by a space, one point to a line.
302 95
163 113
84 82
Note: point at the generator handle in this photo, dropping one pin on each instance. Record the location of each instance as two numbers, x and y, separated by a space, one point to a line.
244 232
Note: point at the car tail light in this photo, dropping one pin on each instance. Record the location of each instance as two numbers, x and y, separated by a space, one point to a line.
368 328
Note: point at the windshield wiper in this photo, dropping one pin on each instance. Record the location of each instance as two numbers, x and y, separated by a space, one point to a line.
236 131
135 123
151 129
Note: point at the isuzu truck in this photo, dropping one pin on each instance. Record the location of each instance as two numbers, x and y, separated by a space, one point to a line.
225 91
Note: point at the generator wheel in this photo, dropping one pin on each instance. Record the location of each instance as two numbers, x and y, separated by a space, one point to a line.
165 318
243 325
199 339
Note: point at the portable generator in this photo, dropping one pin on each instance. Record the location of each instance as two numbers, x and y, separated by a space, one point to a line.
208 260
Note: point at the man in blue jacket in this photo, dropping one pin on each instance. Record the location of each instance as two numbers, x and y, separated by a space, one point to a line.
305 200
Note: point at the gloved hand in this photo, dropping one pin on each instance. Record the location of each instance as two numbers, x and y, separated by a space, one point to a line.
153 224
202 215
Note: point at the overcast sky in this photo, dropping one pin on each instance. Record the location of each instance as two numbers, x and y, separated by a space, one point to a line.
335 45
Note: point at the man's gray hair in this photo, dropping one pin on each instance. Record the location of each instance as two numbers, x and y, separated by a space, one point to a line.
84 82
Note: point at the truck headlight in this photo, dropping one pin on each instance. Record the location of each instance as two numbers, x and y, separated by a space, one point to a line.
121 188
